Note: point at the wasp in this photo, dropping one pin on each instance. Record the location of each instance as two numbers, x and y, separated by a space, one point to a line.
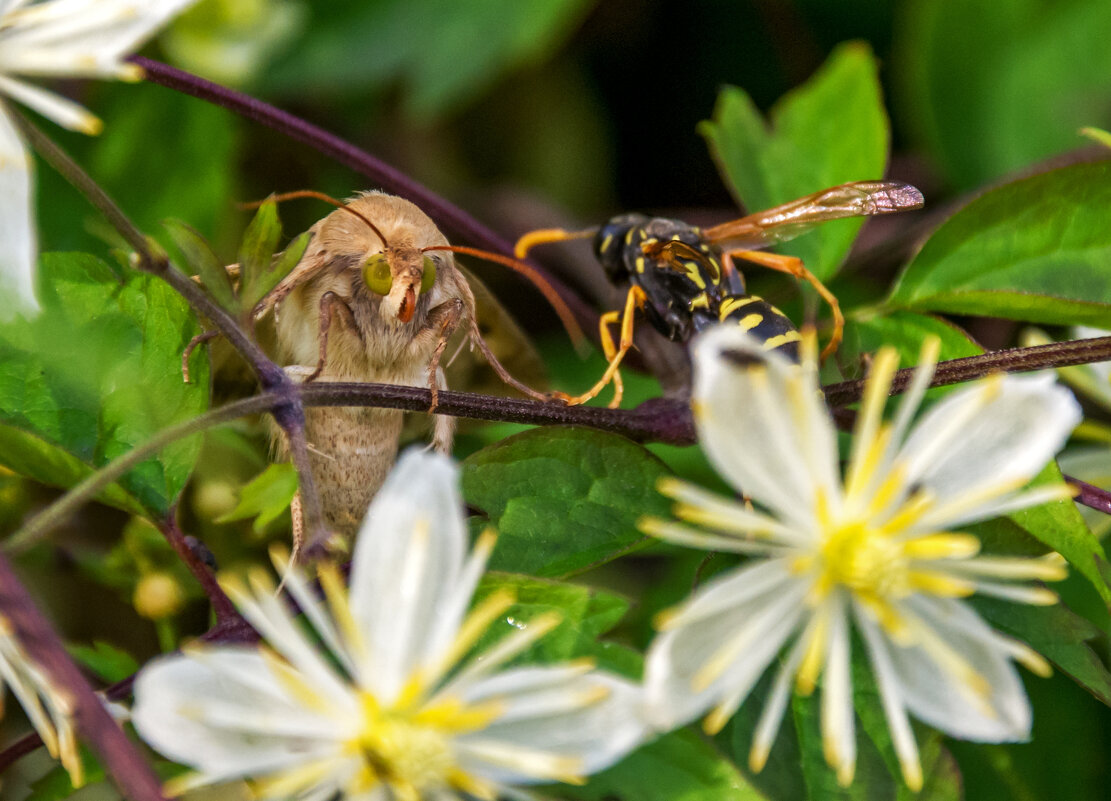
375 298
684 278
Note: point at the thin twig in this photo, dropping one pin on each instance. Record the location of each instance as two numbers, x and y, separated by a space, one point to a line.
120 758
1091 496
221 604
1014 360
87 489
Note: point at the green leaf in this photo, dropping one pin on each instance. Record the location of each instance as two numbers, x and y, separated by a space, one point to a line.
992 87
256 254
1038 249
831 130
441 68
680 766
877 775
585 615
97 373
563 499
110 664
265 497
905 331
199 256
55 785
1061 526
1055 632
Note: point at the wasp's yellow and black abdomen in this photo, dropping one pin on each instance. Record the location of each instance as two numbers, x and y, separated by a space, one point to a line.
763 321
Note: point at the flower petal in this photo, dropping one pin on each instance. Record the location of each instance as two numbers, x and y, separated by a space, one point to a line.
17 230
746 635
591 720
1001 715
999 433
173 696
81 38
762 423
407 567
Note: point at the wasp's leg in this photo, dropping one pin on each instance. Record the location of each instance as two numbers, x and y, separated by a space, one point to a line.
546 236
633 301
329 303
794 266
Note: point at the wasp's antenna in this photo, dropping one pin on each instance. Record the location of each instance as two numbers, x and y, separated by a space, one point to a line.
309 193
574 331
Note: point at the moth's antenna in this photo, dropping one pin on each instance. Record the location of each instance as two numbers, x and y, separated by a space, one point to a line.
570 324
309 193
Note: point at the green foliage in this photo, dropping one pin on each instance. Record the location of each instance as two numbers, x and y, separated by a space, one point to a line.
95 374
259 271
429 45
831 130
563 500
993 87
109 663
584 615
1058 634
680 766
265 497
906 332
198 255
1036 249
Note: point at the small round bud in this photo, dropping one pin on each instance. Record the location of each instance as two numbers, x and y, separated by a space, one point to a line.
158 596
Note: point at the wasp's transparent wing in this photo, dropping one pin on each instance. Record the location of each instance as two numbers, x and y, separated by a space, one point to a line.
779 224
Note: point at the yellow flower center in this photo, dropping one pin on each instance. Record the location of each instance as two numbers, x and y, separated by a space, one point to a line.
865 560
408 747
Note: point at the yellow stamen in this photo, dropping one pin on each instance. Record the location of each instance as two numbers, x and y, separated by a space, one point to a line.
935 583
942 546
478 620
814 656
716 720
293 680
876 389
335 593
758 757
912 774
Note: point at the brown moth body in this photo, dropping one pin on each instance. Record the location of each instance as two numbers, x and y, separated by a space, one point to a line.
330 326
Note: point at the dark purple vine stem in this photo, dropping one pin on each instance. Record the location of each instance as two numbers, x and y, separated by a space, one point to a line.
121 759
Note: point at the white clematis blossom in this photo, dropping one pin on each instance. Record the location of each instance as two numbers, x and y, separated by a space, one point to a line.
879 549
49 710
56 39
392 711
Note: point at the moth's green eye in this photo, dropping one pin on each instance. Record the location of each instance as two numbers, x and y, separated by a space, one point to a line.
377 275
429 276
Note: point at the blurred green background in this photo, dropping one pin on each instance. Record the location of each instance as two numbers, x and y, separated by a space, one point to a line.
533 113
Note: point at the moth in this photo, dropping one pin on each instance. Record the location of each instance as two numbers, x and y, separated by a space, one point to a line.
375 297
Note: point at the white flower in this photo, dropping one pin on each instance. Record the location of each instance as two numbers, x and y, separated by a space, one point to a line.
56 39
391 711
874 550
48 709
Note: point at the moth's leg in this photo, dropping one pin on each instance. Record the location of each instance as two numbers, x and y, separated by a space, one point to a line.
438 328
330 303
